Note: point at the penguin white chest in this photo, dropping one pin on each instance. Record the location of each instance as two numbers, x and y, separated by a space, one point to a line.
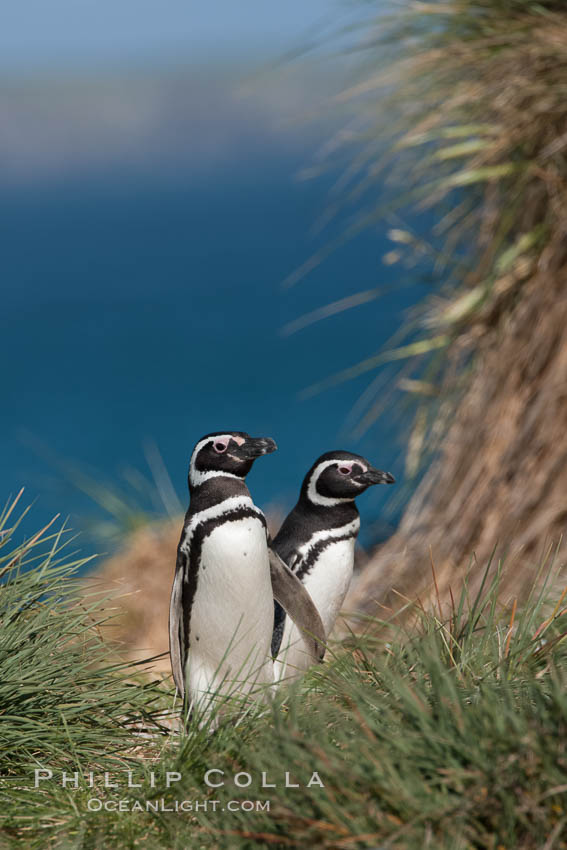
327 583
232 613
329 578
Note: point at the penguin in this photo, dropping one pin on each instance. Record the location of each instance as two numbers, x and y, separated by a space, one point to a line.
221 614
317 541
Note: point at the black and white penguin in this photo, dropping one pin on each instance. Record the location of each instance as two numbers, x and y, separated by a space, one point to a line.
221 613
317 542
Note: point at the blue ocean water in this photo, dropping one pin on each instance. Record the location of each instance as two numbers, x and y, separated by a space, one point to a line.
150 307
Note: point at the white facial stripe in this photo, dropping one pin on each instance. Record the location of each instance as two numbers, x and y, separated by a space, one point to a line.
312 494
196 477
351 529
216 512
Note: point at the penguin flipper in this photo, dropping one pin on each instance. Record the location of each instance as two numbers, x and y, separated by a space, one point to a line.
279 628
176 625
291 594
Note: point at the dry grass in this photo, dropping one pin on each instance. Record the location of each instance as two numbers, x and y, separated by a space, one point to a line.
458 108
474 94
139 578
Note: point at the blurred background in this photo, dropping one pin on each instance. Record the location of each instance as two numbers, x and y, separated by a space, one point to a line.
339 224
152 206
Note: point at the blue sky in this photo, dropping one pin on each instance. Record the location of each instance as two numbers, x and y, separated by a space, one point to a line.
63 33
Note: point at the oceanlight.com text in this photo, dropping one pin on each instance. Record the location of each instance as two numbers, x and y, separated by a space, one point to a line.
95 804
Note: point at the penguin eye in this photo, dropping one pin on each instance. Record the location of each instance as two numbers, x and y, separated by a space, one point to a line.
220 447
345 470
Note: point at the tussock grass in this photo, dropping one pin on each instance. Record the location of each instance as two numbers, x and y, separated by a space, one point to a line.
62 703
458 108
447 733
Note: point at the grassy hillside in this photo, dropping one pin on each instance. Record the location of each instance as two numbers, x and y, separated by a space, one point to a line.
458 109
447 734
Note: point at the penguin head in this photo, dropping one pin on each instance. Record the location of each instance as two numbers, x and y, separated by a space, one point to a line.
340 476
226 453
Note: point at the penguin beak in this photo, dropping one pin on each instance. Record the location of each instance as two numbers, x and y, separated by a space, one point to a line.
256 447
376 476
